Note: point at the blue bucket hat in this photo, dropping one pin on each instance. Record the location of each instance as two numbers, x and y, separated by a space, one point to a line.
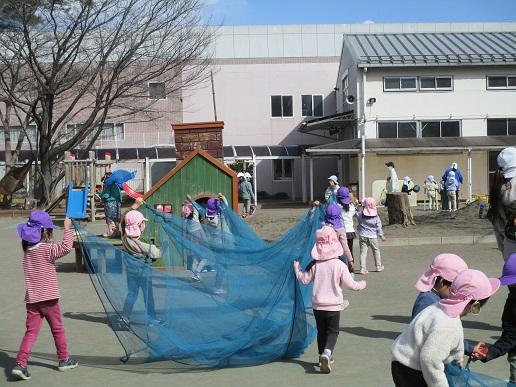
31 231
333 216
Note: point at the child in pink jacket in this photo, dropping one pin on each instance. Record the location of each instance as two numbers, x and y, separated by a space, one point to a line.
328 274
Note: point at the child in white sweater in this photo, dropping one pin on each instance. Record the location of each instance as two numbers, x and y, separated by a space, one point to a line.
435 336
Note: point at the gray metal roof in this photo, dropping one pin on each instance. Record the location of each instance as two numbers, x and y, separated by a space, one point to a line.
416 145
430 49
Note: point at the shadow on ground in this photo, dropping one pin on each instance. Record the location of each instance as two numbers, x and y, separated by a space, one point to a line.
465 323
134 365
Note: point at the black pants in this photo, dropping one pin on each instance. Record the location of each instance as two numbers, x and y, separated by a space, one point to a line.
404 376
350 245
327 329
139 277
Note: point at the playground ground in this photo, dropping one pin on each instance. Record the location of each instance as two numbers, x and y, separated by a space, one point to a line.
368 327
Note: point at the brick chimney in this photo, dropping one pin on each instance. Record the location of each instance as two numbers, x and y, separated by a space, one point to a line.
204 135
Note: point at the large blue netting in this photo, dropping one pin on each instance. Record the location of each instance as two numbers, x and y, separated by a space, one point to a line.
246 309
464 377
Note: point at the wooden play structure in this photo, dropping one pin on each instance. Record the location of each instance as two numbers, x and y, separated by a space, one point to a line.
199 175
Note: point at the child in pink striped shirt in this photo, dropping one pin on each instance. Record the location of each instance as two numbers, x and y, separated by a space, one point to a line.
42 291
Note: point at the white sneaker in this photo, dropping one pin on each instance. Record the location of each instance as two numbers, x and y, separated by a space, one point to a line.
325 364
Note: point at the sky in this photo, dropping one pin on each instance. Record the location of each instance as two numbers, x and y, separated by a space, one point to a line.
253 12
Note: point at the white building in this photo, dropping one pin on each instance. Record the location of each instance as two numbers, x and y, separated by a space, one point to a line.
424 100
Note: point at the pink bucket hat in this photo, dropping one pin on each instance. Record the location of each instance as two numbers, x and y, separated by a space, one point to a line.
370 207
446 266
186 210
327 245
469 285
133 219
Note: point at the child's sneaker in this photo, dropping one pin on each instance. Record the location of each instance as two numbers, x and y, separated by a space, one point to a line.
380 268
20 372
67 364
325 363
362 271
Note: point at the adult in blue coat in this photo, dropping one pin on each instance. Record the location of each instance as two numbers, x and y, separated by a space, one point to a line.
458 178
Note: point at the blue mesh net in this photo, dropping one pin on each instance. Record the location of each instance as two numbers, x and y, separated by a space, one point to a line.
464 377
245 308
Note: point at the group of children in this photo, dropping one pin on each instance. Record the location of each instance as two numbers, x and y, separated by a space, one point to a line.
340 212
449 290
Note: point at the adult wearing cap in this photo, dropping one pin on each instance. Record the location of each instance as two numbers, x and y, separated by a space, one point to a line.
330 194
506 344
139 274
392 178
435 337
502 202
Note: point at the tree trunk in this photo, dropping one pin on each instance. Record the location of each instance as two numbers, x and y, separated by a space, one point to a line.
399 209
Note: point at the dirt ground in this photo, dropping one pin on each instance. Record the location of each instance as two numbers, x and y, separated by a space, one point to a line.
274 218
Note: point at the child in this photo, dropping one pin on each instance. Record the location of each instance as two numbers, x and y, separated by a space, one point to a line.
431 189
247 194
329 274
111 197
138 275
218 233
42 290
435 283
451 186
502 200
507 342
330 194
348 212
369 229
435 337
191 214
333 218
405 186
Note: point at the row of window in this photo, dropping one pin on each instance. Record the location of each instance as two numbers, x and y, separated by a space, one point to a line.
110 132
440 128
311 105
404 129
443 83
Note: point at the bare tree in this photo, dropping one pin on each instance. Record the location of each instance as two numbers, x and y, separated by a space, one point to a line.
89 61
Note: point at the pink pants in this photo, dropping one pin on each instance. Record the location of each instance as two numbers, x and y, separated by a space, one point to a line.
35 314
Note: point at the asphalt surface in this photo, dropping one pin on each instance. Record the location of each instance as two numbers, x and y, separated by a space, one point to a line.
362 358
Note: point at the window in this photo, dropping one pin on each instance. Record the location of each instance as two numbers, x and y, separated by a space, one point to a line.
312 105
281 106
282 169
501 127
397 129
501 82
435 83
110 132
440 128
157 90
400 83
15 134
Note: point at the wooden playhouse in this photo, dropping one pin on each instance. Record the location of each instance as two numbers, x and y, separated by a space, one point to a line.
199 175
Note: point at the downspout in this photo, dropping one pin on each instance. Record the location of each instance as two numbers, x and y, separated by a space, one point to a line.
361 120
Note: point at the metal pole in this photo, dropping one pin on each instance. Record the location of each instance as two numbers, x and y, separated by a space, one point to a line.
311 167
213 95
470 183
293 180
362 167
93 183
255 186
147 175
303 178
